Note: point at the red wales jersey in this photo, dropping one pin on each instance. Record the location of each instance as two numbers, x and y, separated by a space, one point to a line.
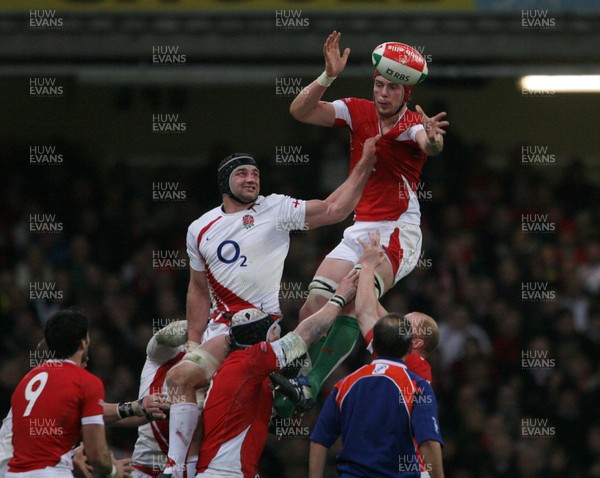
236 413
419 366
49 406
391 192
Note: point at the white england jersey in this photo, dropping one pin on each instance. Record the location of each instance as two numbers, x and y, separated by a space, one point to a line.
6 448
150 451
243 253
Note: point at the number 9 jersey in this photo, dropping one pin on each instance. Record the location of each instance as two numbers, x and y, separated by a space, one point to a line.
243 253
49 406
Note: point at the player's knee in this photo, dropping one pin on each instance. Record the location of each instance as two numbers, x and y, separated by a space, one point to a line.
179 376
198 366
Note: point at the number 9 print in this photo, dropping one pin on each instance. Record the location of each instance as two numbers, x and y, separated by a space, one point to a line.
229 252
32 395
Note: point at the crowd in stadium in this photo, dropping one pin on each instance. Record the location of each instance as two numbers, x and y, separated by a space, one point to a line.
517 372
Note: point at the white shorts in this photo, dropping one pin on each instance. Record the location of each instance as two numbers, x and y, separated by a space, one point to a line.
401 242
213 329
48 472
225 474
139 474
190 465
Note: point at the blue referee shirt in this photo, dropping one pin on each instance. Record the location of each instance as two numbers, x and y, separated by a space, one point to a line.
383 412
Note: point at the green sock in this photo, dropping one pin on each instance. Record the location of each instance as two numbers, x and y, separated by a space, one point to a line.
315 350
339 343
325 354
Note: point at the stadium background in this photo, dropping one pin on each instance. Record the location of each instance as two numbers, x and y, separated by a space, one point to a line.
511 257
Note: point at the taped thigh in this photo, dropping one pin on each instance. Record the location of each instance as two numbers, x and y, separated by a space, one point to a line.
322 286
204 360
378 282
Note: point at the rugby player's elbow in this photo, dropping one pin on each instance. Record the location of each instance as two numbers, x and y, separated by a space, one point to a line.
336 213
298 113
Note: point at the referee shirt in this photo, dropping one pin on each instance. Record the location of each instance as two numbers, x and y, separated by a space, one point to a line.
383 412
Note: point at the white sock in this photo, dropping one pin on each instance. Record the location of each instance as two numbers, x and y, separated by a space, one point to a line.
183 418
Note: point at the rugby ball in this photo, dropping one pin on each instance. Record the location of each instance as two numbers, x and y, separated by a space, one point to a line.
399 63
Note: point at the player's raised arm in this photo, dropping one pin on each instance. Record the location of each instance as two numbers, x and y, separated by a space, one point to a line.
311 329
198 305
307 106
367 307
340 203
431 139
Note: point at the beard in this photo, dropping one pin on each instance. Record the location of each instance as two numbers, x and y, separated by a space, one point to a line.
247 197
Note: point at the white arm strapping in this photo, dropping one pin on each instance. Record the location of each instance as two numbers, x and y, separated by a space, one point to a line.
288 348
165 343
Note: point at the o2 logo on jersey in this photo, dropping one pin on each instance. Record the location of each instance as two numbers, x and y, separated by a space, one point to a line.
229 252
